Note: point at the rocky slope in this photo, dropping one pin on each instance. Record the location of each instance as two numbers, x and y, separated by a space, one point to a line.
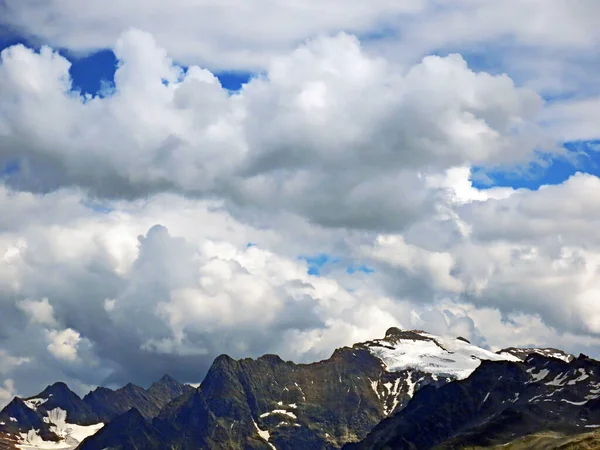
523 353
59 418
271 403
550 441
107 403
476 397
499 403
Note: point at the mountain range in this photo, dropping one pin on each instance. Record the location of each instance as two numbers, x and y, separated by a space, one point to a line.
408 390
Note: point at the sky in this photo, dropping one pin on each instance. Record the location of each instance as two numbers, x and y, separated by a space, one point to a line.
184 179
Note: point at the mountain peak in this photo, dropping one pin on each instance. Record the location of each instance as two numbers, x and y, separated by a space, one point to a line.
131 387
59 390
167 389
166 378
59 386
395 334
393 331
417 350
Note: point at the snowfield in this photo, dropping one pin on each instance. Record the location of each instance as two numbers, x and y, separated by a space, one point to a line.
443 357
70 434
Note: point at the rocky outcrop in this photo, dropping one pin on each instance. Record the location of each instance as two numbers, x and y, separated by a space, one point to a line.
500 402
268 402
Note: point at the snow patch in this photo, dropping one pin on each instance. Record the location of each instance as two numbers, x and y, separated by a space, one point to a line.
411 385
70 434
396 389
280 411
582 376
33 403
435 355
301 391
374 387
558 381
535 377
573 403
264 434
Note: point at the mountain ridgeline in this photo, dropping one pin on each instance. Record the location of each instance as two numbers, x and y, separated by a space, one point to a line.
409 390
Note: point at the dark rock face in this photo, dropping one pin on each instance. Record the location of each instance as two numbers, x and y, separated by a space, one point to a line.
523 353
166 389
498 403
270 402
60 396
101 405
20 416
108 403
128 431
301 406
406 379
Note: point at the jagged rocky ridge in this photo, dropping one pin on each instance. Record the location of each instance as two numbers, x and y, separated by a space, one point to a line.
499 403
58 415
270 403
267 403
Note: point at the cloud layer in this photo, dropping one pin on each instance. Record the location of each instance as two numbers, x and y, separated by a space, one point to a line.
127 217
325 134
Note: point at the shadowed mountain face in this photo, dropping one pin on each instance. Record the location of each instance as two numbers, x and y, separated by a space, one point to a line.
58 414
498 403
461 395
128 431
523 353
268 402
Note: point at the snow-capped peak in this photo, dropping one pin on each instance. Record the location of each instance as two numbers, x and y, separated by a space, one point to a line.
443 357
522 353
70 435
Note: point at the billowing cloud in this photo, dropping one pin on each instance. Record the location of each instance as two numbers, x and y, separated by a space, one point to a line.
241 35
39 312
9 362
63 344
7 392
325 134
128 217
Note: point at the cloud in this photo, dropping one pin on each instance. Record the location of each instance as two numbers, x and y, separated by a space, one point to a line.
7 392
63 344
197 32
325 134
433 268
240 35
9 362
330 150
573 119
39 312
135 299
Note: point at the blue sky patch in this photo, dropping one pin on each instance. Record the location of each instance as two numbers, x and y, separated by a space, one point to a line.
361 268
581 156
233 81
94 74
316 263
